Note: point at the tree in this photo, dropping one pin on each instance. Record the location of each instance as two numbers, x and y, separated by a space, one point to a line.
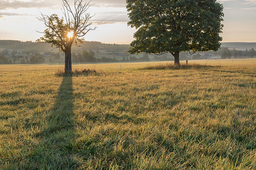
37 59
252 52
234 53
3 60
175 26
23 61
145 57
224 54
64 32
88 56
229 54
5 52
14 53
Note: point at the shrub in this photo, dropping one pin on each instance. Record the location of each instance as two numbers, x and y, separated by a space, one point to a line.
76 72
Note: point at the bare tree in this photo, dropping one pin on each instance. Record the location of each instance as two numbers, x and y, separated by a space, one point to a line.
64 32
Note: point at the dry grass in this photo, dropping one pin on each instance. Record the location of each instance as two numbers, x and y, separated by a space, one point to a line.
129 119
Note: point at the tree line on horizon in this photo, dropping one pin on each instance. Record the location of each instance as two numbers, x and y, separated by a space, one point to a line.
89 56
188 31
226 53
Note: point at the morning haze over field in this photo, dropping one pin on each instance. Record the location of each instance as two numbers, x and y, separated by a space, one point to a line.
164 84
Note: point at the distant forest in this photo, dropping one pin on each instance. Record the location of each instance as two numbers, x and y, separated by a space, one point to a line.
18 52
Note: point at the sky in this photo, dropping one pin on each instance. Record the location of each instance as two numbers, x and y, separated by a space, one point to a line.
18 20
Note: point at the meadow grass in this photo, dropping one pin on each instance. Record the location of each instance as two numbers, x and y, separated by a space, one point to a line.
129 118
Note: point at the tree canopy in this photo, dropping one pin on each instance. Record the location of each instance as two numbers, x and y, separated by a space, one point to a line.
175 25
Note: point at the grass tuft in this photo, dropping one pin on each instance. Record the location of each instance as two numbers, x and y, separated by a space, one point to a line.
76 72
169 66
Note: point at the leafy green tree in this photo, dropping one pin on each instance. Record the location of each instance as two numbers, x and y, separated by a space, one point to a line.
14 53
5 52
229 54
224 54
64 32
196 56
88 56
234 53
50 59
3 60
252 52
22 61
37 60
175 26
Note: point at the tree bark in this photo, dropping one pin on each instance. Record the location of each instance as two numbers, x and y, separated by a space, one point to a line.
176 56
68 64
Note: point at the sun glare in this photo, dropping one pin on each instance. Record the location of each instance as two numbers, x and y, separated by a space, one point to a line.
70 34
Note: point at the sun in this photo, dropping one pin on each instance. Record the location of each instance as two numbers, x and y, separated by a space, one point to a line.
70 34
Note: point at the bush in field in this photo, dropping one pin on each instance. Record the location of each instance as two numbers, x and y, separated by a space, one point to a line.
76 72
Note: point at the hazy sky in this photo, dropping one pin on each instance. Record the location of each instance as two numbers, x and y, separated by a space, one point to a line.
18 20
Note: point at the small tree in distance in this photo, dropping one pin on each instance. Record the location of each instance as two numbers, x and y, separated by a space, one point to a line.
64 32
175 26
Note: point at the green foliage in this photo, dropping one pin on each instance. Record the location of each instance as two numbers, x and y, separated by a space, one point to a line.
14 53
226 53
23 61
37 60
4 60
196 56
175 26
252 52
86 56
4 52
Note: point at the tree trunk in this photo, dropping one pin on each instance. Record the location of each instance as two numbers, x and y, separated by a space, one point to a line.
68 64
176 56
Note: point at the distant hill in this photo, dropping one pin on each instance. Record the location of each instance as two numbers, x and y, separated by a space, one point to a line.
45 47
93 45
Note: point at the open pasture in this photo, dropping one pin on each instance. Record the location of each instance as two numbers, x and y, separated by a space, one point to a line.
129 118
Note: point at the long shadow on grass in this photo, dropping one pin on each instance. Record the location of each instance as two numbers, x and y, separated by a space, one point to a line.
52 150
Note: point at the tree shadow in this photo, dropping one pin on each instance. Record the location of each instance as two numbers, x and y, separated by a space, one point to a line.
51 148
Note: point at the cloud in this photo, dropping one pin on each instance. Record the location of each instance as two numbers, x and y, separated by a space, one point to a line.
109 3
250 8
15 4
250 1
110 17
8 14
106 11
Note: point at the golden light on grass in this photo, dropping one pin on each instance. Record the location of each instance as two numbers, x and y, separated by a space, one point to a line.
70 34
166 118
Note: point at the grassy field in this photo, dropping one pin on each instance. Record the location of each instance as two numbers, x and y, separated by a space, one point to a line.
129 118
